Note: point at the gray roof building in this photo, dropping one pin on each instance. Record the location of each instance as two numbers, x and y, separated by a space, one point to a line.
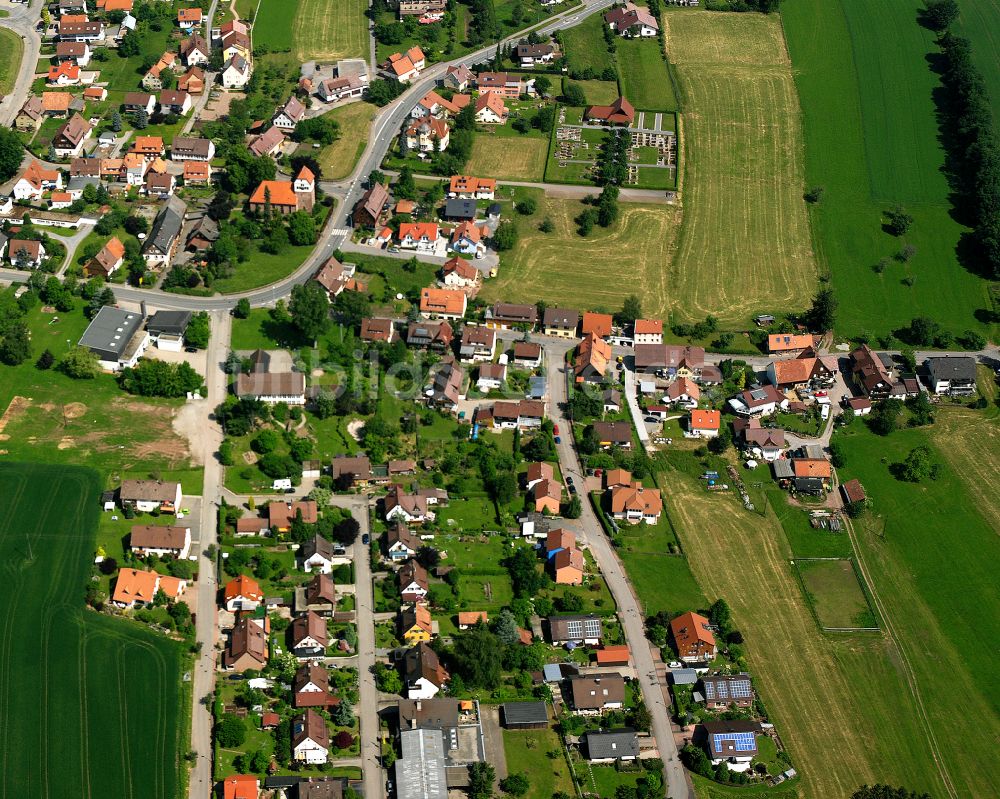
561 318
168 323
321 788
576 629
783 469
684 676
460 209
521 715
166 228
955 375
551 672
111 333
432 714
612 745
420 772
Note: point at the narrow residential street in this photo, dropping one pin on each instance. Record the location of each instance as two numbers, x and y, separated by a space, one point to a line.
207 626
653 690
364 605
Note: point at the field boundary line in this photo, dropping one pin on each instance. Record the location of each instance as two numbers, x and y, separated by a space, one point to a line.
911 679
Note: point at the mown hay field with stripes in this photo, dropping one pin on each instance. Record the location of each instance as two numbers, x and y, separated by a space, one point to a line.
324 30
90 706
328 30
744 245
930 549
589 272
834 699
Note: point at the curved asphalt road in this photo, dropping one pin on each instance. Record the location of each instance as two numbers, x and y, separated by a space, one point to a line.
22 20
385 127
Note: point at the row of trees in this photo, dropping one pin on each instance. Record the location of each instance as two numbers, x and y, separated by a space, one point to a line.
612 160
971 140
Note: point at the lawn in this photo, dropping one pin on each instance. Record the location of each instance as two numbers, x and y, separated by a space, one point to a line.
329 31
509 158
833 699
262 269
634 255
338 159
645 78
275 23
74 710
260 331
603 781
12 49
745 246
930 550
527 751
599 92
805 540
85 422
585 47
835 593
867 69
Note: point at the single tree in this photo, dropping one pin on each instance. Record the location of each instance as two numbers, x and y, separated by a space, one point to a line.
824 307
45 360
310 309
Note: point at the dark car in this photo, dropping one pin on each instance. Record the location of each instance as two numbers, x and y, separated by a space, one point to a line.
366 539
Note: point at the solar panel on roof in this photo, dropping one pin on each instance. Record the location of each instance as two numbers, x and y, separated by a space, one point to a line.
741 689
738 741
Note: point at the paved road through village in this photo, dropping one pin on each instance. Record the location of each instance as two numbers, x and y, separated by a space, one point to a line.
629 611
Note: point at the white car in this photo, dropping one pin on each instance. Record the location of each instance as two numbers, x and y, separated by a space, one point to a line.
824 412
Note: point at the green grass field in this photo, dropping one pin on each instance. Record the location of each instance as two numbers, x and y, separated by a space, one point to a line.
527 751
744 245
274 25
501 152
634 255
260 331
835 593
584 45
866 69
931 549
85 422
87 700
330 31
980 23
833 699
338 159
806 541
645 79
11 52
599 92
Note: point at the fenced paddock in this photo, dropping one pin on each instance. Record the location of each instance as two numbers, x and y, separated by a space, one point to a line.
836 594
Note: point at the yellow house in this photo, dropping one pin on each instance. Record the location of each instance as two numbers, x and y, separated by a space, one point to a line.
415 625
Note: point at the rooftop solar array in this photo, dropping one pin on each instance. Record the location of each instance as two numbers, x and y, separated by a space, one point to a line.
736 741
723 689
584 628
